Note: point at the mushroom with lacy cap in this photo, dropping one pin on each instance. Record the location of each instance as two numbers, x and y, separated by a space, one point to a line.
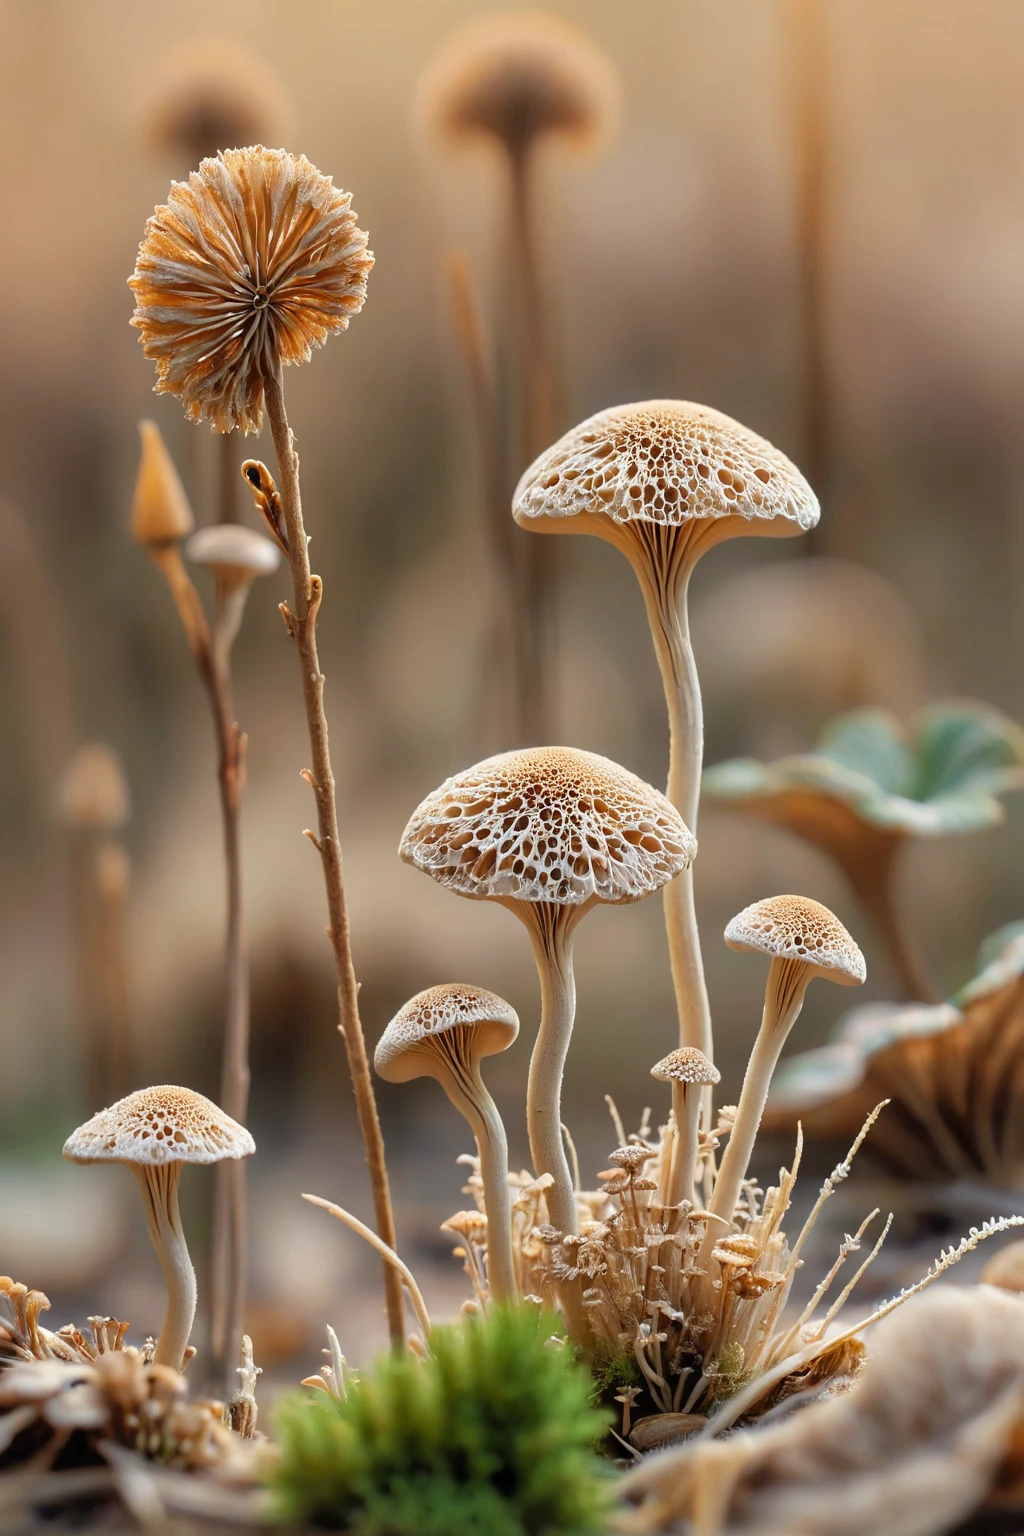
444 1033
664 481
804 940
689 1072
155 1132
549 833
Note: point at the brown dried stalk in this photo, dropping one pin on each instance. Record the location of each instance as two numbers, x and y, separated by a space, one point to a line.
300 620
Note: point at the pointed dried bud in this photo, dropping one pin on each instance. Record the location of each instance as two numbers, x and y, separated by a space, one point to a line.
93 793
252 263
160 508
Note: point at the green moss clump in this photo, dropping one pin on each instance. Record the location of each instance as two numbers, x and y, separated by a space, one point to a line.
492 1435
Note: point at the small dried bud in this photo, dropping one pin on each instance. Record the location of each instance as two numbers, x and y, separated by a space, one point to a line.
93 793
160 509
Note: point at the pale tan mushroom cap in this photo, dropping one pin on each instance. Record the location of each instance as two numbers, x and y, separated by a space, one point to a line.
234 547
438 1010
160 508
686 1065
796 928
159 1125
666 462
550 824
92 792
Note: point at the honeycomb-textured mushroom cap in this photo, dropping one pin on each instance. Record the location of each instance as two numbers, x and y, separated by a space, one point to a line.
436 1013
515 76
667 462
550 824
686 1065
159 1125
235 547
796 928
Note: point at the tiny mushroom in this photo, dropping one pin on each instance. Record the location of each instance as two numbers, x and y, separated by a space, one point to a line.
549 833
444 1033
804 940
664 481
236 555
155 1132
689 1072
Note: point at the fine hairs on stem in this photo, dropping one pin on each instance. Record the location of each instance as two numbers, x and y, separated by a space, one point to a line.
300 621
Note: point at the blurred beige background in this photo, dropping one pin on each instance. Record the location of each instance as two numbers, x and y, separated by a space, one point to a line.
671 266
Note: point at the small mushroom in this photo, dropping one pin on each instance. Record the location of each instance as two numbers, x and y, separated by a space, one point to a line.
155 1132
804 940
161 520
236 555
1005 1269
664 481
445 1033
689 1072
549 833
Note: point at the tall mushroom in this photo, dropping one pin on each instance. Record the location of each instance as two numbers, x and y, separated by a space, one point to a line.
549 833
689 1072
155 1132
664 481
445 1033
804 940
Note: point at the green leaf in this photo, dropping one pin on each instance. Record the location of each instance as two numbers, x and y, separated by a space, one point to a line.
870 742
944 778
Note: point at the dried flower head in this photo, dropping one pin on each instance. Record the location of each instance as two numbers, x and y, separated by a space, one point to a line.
251 263
214 96
92 793
515 76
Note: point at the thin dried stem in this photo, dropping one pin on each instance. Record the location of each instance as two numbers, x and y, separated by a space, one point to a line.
227 1280
301 624
539 568
397 1267
510 626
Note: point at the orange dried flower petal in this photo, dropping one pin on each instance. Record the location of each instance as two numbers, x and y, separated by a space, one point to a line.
251 263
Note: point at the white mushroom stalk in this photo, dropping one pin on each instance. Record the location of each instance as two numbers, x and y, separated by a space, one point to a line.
804 940
664 481
689 1072
444 1033
549 833
155 1132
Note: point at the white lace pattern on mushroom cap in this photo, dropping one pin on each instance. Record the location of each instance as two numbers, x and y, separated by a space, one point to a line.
551 824
667 462
160 1125
796 928
439 1009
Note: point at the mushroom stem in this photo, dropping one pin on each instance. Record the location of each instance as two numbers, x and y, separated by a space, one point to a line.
686 1102
670 629
552 949
536 411
301 624
875 892
783 1000
471 1098
159 1184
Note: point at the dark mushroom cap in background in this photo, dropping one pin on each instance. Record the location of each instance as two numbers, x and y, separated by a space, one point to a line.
517 76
